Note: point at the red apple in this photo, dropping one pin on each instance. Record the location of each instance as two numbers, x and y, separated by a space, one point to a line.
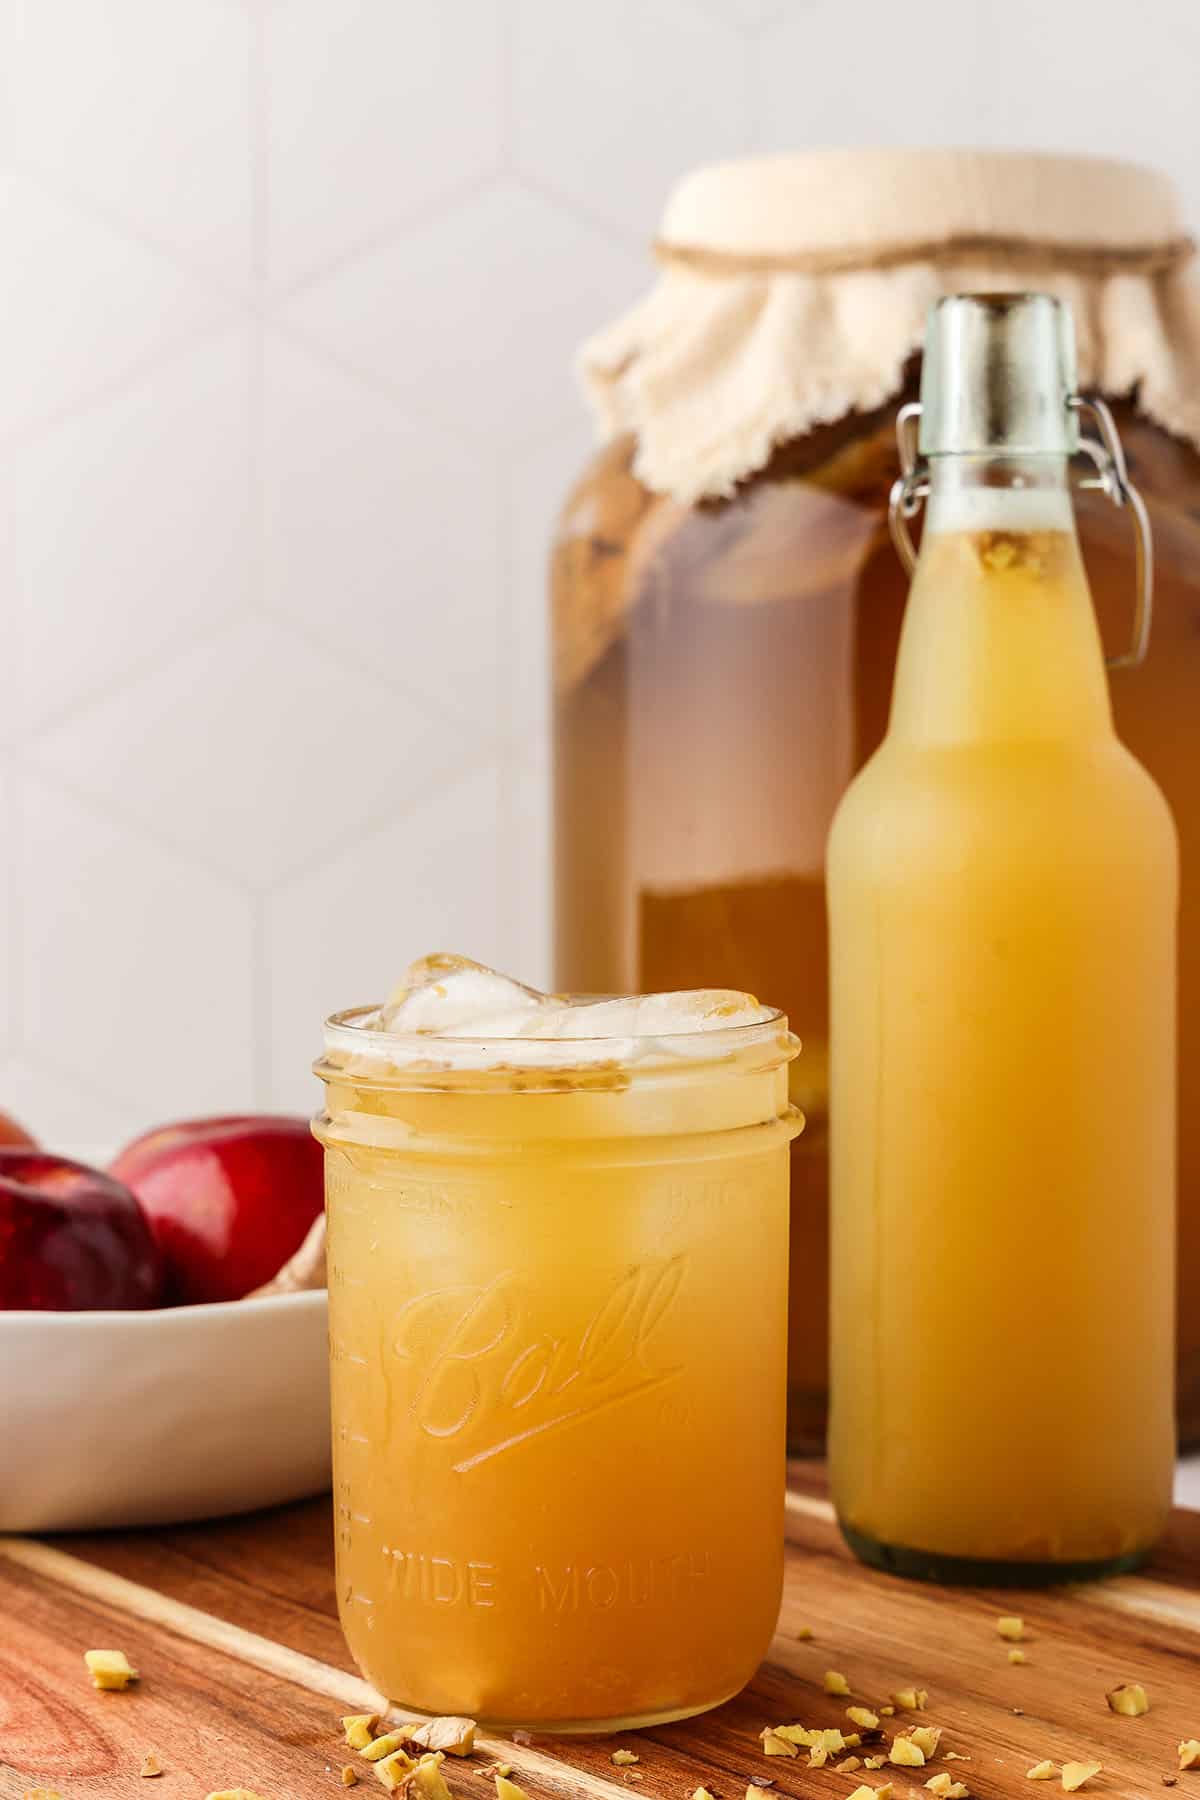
71 1238
228 1200
12 1133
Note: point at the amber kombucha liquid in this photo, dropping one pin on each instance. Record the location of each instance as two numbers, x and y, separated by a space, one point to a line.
557 1324
1003 888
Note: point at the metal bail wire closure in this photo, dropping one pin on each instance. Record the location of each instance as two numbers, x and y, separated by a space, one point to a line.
911 488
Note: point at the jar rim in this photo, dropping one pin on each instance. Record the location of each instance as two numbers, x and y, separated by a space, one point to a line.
400 1056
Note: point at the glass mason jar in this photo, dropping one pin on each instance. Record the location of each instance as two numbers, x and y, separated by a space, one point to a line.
722 670
552 1290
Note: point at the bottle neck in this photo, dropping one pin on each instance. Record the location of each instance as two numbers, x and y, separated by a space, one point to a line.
1000 639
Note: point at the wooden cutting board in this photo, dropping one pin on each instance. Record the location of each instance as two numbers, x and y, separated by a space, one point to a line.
233 1626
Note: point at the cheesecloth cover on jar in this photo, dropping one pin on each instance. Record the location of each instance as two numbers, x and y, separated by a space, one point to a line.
793 290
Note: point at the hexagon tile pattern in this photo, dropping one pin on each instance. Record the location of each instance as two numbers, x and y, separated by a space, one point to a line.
1072 76
288 306
471 319
162 531
419 597
373 113
332 934
659 89
145 110
82 306
267 754
136 973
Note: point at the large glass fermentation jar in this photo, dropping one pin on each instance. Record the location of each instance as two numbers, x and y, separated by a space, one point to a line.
727 603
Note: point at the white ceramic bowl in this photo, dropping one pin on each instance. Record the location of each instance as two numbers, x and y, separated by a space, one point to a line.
147 1418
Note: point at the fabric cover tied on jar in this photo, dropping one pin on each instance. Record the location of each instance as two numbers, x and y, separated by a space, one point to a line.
793 290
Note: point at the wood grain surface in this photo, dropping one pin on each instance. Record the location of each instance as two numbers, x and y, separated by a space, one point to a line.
244 1673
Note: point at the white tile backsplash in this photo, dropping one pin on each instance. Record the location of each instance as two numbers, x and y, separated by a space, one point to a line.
8 918
289 295
375 112
133 528
10 621
80 1119
382 536
136 973
537 480
144 109
340 935
82 305
1070 76
526 845
471 319
265 752
896 79
751 14
609 112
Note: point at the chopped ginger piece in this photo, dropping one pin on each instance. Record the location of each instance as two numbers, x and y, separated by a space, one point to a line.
911 1699
852 1739
1076 1773
906 1754
862 1715
775 1744
359 1729
874 1762
349 1775
150 1765
500 1769
818 1756
1129 1700
946 1788
848 1765
926 1738
804 1634
623 1758
387 1745
835 1683
831 1738
1042 1771
454 1735
508 1790
427 1779
1016 1656
394 1770
887 1712
109 1668
794 1734
701 1793
872 1793
1011 1628
1189 1753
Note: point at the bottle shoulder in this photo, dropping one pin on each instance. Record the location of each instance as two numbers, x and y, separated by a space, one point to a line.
1040 801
